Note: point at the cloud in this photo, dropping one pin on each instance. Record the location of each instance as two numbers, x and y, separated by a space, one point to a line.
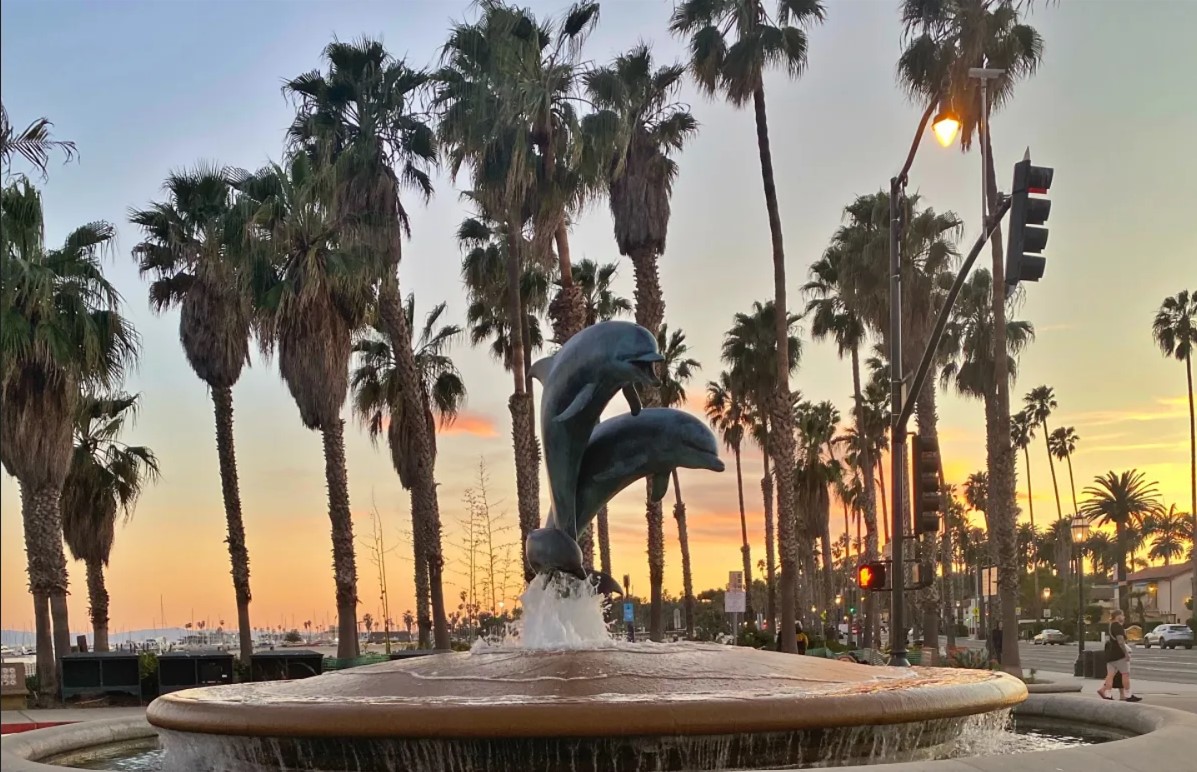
1162 409
470 423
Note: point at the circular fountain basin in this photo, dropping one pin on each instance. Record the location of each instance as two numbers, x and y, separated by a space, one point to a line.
684 706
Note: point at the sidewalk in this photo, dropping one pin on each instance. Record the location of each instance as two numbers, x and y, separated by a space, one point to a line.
13 721
1162 693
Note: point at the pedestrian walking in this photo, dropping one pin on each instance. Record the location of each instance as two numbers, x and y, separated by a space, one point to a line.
995 641
1118 656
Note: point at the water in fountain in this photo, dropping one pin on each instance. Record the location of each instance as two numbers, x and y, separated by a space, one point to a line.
560 614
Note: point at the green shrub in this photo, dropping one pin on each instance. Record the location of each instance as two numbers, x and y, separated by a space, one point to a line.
757 639
33 684
969 659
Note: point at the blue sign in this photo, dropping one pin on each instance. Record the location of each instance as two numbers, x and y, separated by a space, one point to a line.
628 616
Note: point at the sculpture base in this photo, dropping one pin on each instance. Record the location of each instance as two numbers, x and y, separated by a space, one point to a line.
645 706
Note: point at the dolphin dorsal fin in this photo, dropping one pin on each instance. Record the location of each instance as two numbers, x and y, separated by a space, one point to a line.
575 407
660 486
541 368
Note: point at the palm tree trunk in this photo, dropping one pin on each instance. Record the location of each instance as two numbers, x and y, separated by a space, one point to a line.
422 588
1192 472
47 561
650 301
425 508
344 562
884 502
870 496
770 556
222 403
1051 464
928 598
654 515
62 627
949 605
523 431
782 411
97 595
604 540
745 549
586 542
40 582
683 538
999 454
1026 451
568 309
1071 482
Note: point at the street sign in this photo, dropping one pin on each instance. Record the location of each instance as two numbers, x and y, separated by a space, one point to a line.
735 581
1047 613
735 602
628 613
677 619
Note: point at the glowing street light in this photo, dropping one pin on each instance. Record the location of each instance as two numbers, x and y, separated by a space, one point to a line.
945 126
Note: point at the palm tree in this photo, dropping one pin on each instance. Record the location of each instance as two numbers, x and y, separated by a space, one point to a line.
1022 431
312 292
191 252
833 317
635 128
378 401
944 40
33 143
106 477
814 474
737 72
967 344
976 493
360 119
727 411
676 370
1039 404
750 351
63 332
1169 531
1175 332
594 281
485 269
1123 500
1062 444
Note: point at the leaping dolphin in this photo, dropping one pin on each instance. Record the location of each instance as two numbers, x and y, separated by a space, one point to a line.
622 450
579 380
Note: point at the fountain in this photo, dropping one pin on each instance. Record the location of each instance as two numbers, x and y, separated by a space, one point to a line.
565 696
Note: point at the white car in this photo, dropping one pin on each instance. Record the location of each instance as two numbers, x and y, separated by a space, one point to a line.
1169 637
1050 637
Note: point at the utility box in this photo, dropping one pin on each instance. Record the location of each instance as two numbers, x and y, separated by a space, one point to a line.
13 694
187 670
286 665
100 673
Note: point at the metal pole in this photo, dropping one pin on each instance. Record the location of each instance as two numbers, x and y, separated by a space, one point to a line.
897 437
1080 601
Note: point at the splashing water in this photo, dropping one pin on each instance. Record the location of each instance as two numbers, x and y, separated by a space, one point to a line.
562 613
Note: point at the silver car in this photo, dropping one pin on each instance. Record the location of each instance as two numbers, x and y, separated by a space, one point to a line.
1050 637
1169 637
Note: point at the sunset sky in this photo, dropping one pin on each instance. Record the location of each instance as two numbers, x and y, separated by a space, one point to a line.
146 87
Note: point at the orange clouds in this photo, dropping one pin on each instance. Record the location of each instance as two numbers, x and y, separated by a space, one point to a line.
472 424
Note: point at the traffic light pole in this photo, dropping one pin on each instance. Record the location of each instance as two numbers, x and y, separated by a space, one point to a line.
901 409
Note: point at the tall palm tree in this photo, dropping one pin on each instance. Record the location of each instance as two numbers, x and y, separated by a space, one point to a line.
750 352
833 317
602 303
943 41
728 413
359 118
1039 403
676 371
106 478
967 344
814 474
976 493
63 332
1123 500
34 143
378 401
312 292
737 72
191 252
1175 332
1062 444
1168 532
1022 431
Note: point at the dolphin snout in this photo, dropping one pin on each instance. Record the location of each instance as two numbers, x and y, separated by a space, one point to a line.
645 364
715 464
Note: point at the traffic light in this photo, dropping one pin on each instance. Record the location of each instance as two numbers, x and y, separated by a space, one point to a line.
870 576
925 498
1028 237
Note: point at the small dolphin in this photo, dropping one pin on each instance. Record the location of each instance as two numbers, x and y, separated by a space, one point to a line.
579 380
551 549
624 449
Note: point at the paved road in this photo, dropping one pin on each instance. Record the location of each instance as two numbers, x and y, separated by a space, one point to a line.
1172 665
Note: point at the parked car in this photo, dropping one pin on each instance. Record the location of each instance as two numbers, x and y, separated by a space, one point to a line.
1169 637
1050 637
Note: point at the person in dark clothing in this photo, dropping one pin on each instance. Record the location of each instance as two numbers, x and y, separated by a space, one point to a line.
995 639
799 636
1117 661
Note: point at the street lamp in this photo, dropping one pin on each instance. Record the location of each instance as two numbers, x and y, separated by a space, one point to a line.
945 125
1080 532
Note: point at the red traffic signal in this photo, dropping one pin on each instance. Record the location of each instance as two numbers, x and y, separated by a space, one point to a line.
870 576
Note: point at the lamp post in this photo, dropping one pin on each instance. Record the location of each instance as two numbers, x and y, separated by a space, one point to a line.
1080 532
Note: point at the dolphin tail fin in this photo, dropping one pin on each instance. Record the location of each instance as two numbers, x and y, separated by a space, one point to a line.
541 367
580 402
603 584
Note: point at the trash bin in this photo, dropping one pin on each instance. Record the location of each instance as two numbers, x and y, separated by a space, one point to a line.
88 673
1095 663
186 670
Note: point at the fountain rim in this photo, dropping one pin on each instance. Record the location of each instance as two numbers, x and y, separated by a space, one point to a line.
582 717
